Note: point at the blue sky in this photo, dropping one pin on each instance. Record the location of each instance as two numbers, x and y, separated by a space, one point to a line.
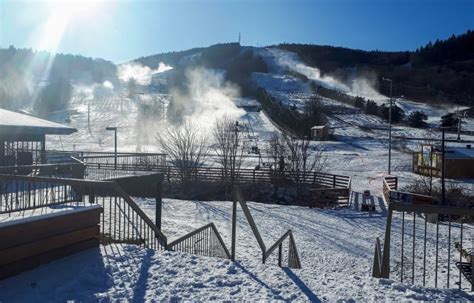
124 30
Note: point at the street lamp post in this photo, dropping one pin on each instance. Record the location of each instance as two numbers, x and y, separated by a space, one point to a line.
115 144
389 127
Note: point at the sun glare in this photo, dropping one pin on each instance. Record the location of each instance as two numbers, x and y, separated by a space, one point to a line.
61 14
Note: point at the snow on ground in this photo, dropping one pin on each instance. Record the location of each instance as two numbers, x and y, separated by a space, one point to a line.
335 247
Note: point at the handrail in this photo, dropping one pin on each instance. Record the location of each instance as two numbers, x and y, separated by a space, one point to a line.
140 212
176 243
276 244
392 195
292 262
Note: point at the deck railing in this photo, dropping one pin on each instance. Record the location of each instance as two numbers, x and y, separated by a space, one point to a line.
122 220
426 244
127 161
60 170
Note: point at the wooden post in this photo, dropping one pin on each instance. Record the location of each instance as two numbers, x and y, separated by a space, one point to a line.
280 252
234 227
386 246
159 204
43 150
2 152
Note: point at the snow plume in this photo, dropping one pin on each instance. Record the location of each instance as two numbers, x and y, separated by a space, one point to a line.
360 86
107 84
141 73
96 90
207 97
364 87
83 91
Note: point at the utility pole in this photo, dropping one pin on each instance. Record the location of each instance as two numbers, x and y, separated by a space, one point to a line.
89 114
443 187
389 127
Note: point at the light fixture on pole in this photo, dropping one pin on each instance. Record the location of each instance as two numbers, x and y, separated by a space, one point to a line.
389 127
115 144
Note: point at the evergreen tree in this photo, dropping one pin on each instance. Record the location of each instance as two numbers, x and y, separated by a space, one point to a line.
371 108
397 113
417 119
449 120
359 102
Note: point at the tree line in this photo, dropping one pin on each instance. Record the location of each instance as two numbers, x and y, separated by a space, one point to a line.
47 78
442 71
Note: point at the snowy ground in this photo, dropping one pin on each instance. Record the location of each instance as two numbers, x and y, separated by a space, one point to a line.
335 247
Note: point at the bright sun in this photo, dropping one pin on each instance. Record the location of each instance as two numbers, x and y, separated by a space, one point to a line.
60 15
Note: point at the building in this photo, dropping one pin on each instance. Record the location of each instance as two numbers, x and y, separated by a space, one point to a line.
23 138
458 161
319 133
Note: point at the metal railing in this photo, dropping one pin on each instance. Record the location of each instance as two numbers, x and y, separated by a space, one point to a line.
60 170
425 244
20 193
122 220
125 160
293 257
204 241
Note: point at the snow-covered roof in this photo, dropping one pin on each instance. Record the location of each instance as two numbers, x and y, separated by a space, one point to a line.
16 123
460 153
318 127
243 102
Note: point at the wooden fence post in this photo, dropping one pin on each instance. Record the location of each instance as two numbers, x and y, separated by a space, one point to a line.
234 228
159 204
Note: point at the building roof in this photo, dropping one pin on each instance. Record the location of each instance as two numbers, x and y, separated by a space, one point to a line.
459 153
12 123
245 102
318 127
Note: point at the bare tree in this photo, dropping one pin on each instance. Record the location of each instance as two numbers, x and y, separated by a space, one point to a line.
294 158
302 161
186 147
229 147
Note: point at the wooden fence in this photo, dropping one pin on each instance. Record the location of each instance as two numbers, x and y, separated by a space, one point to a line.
156 162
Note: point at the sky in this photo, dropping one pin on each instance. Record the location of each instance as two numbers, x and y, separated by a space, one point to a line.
123 30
